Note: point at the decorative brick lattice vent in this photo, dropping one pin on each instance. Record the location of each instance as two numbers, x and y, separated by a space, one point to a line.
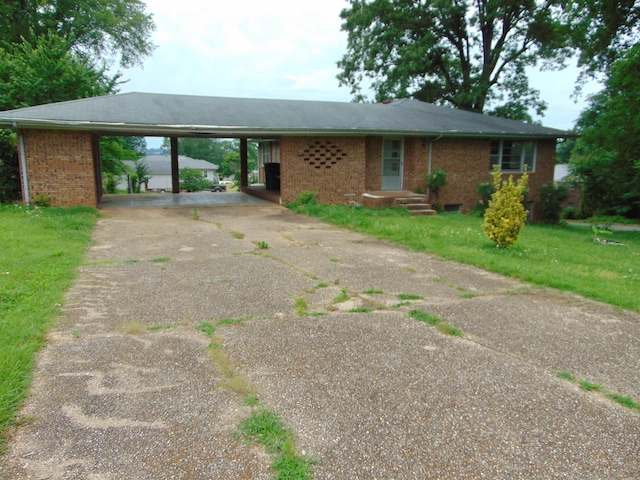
322 154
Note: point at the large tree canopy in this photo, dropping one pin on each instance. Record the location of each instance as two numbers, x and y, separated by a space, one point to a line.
606 158
465 53
103 30
47 71
473 54
603 30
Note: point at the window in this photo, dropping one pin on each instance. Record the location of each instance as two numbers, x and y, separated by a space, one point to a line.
512 156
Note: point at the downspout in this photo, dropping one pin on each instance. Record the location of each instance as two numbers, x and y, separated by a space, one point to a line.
23 167
430 166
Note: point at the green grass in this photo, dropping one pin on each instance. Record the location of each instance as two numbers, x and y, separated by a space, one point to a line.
565 258
41 250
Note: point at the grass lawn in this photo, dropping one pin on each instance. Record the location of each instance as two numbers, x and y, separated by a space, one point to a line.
41 249
565 258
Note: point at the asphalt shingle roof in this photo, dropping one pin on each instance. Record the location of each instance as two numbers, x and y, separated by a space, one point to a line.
161 164
163 114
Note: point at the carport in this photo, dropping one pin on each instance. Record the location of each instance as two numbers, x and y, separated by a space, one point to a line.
59 146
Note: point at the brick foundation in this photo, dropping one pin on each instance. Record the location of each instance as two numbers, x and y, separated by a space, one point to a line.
60 167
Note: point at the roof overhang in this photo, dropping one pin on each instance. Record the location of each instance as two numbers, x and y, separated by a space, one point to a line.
211 131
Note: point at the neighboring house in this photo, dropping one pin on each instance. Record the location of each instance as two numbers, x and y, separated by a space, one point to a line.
160 178
562 176
341 151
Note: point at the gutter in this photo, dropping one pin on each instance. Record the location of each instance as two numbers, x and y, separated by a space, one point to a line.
231 131
23 167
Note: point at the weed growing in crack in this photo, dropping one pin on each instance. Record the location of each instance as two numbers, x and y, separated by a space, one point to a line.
624 400
343 297
166 326
437 322
266 428
409 296
230 321
301 306
373 291
207 328
590 387
160 260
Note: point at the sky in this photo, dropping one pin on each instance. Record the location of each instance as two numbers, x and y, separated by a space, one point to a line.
282 49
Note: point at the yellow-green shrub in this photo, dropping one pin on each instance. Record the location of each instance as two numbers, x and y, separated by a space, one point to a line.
506 214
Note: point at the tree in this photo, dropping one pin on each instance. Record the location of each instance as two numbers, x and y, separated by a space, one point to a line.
602 31
604 158
551 200
140 175
106 30
192 180
113 150
48 71
9 169
467 54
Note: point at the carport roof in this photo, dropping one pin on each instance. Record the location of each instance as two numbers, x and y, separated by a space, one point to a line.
186 115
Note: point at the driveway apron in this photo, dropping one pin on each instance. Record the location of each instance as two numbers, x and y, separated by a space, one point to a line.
317 320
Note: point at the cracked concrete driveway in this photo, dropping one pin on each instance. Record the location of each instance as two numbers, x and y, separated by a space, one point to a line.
125 389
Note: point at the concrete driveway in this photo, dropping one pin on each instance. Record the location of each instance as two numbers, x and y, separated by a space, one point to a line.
183 199
125 388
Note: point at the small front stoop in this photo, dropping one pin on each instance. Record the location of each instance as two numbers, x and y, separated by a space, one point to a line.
416 204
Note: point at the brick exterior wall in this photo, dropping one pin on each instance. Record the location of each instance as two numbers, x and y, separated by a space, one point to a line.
330 166
60 166
357 167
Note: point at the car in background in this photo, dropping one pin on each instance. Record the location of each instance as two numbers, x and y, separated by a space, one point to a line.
218 187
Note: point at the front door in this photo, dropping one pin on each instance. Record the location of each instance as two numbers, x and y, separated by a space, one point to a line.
392 163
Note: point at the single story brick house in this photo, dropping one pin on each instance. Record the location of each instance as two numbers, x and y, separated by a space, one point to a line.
338 150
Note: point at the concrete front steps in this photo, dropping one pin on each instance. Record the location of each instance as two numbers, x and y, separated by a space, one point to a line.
416 203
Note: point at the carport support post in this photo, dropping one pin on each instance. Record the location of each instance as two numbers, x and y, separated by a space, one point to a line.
175 172
244 163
